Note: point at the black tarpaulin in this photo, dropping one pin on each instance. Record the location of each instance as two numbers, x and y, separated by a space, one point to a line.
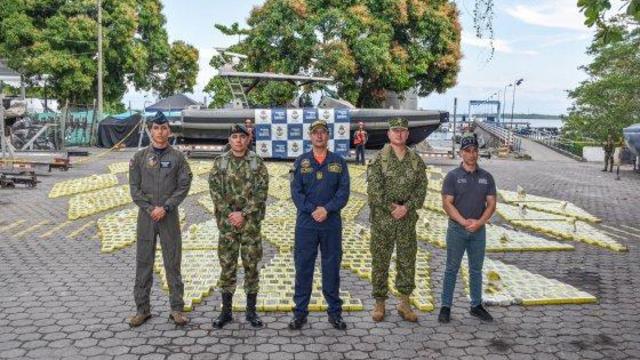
111 131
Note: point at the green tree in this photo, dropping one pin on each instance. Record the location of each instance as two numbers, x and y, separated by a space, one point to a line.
182 69
609 99
369 47
595 13
58 38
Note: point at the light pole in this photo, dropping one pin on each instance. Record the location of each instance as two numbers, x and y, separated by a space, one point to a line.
513 100
504 101
100 99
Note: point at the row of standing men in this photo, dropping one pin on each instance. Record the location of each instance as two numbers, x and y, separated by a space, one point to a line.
160 178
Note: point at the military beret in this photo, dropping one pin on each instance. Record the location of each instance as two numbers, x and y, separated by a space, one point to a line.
398 123
159 118
318 124
238 129
468 140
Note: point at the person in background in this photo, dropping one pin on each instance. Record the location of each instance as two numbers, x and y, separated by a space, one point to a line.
360 140
608 148
248 124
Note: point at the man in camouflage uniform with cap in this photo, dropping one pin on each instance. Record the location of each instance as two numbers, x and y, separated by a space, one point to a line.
238 183
397 186
159 179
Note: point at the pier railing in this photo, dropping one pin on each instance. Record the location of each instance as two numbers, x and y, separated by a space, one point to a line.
571 148
506 136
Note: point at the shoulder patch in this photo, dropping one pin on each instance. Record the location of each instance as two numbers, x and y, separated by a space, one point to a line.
335 167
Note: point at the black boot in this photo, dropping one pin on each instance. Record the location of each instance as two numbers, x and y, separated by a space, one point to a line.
225 316
251 316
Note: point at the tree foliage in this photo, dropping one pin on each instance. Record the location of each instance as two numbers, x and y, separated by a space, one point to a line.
609 99
369 47
595 13
58 38
182 69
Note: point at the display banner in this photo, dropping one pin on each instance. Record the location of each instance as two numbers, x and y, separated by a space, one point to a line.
284 133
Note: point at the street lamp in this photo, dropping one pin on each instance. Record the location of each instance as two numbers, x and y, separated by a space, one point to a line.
513 100
504 101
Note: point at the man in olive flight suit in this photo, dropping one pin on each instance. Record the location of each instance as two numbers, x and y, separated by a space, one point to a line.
397 186
238 183
159 179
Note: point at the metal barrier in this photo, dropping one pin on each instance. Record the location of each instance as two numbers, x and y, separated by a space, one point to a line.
505 136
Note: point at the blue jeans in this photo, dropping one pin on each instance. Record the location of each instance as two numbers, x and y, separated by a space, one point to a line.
459 240
360 154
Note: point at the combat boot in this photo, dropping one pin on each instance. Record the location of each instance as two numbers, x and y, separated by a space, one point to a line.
138 319
179 318
405 311
251 315
225 315
378 311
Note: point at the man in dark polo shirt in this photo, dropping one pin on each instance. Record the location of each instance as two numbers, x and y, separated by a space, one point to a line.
469 198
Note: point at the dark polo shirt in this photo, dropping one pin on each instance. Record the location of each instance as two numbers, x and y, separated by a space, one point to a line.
469 190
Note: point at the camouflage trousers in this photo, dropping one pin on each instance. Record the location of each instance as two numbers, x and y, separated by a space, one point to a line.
385 235
247 244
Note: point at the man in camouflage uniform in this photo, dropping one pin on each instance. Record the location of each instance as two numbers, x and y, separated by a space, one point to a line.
608 148
159 179
397 186
238 183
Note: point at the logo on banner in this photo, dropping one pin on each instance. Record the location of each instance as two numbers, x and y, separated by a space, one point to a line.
263 148
342 115
310 115
262 116
295 131
263 132
295 148
278 132
341 130
326 114
342 147
280 149
279 116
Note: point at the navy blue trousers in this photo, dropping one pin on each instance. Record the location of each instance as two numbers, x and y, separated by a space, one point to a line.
307 242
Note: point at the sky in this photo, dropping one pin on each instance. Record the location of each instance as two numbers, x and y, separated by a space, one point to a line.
542 41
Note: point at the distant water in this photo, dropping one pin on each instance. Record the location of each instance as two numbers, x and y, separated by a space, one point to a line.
547 123
535 123
443 139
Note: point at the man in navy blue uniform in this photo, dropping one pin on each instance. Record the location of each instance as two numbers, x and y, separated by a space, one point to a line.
320 189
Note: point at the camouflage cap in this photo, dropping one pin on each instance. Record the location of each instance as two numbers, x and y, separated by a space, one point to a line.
318 124
467 141
238 129
398 123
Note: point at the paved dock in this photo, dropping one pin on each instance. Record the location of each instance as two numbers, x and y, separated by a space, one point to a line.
61 299
540 152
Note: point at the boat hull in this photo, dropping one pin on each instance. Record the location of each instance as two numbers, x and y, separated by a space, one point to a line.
632 138
212 126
